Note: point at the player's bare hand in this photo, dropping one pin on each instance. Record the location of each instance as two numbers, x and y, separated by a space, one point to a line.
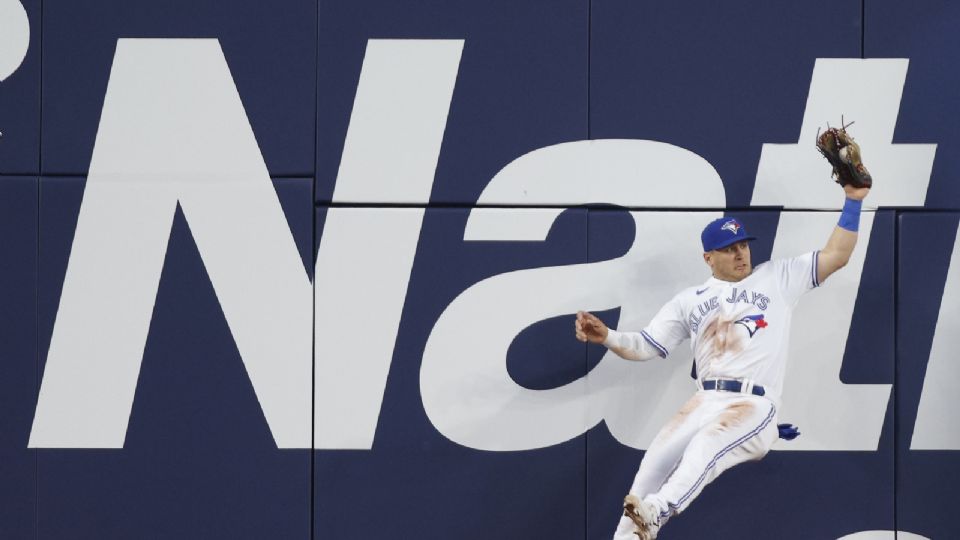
855 193
589 328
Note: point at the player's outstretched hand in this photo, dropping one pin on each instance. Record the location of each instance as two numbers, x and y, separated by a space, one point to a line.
855 193
589 328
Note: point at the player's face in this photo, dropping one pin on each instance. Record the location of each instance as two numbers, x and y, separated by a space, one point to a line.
731 263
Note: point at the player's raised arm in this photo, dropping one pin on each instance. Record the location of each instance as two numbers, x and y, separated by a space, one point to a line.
836 254
844 155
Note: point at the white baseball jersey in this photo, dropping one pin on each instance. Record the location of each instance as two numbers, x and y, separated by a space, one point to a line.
737 330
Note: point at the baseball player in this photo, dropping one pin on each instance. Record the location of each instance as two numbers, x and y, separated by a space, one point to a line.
738 323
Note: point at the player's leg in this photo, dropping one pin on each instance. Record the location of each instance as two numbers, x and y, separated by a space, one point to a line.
744 429
662 457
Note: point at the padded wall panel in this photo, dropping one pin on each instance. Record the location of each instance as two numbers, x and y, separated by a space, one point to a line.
927 463
926 34
774 494
20 96
521 83
199 459
18 354
269 48
415 477
692 73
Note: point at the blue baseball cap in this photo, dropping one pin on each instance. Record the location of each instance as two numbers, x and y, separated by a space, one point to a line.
722 232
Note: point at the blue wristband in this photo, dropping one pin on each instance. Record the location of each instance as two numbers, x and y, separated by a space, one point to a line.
850 216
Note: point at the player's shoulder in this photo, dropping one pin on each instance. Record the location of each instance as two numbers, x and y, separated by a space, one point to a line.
689 291
785 269
768 268
692 293
785 262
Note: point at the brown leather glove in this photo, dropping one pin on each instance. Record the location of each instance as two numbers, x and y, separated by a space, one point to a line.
844 155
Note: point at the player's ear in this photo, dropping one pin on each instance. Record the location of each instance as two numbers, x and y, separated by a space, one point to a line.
706 259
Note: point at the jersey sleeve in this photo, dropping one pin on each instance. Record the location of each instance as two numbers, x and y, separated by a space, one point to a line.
666 330
797 275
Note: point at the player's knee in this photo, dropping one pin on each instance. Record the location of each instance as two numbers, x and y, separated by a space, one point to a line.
764 446
762 453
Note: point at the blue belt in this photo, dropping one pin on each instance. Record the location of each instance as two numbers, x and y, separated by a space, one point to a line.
731 385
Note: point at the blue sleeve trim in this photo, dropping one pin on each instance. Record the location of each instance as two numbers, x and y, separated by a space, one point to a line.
813 270
650 340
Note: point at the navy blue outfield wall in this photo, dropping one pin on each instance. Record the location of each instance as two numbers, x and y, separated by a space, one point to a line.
18 351
308 269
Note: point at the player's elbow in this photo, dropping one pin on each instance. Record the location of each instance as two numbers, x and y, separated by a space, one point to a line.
843 257
833 260
839 263
630 354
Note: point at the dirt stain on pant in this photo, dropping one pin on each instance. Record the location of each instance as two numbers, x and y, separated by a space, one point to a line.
682 414
733 416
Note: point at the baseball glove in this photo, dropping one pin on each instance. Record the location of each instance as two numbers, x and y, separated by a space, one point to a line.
844 156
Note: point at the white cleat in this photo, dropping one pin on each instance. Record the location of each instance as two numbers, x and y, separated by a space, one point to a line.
644 515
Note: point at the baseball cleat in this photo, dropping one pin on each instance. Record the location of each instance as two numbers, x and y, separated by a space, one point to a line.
643 515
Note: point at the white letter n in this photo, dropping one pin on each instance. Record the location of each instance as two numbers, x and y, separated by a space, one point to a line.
174 130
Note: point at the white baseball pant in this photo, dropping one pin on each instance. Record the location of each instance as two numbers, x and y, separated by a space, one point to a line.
713 431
